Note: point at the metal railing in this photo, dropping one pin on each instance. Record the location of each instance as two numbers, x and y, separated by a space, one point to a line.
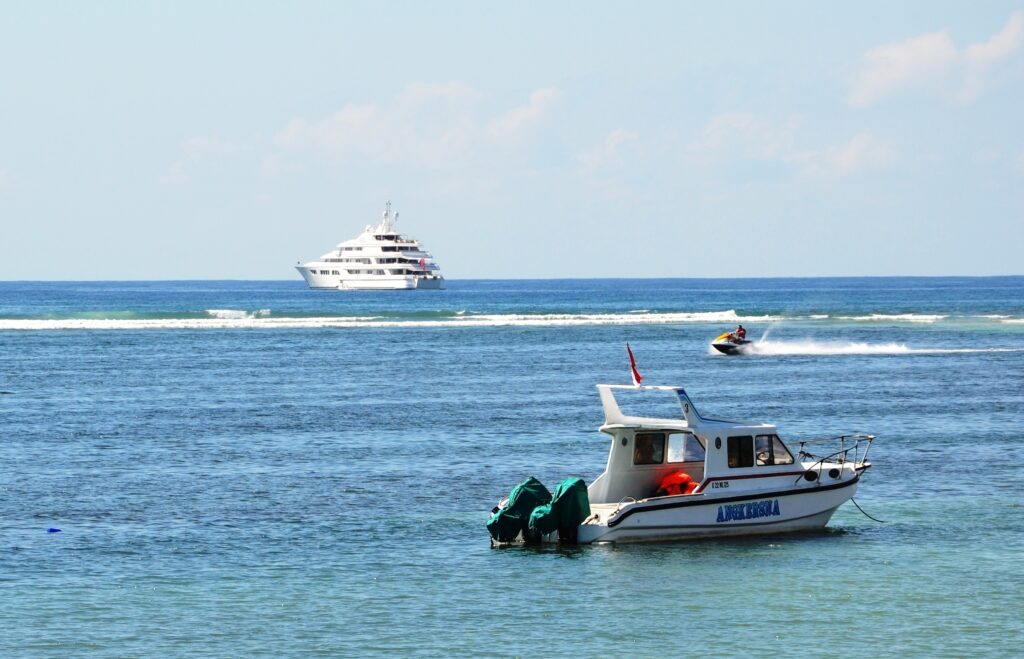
852 449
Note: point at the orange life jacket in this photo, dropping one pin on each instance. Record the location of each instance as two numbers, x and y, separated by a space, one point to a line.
677 482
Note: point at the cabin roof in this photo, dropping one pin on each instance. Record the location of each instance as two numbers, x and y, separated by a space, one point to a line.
690 419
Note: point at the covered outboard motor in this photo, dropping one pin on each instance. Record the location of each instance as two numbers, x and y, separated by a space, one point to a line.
569 506
514 518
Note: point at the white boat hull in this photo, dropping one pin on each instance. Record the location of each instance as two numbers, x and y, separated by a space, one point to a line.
370 282
705 516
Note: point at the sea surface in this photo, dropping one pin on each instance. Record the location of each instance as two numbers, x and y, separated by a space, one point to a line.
242 468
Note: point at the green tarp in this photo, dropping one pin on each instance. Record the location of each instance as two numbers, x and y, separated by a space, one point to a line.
507 523
569 506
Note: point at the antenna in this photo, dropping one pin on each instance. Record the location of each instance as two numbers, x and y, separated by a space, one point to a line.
385 225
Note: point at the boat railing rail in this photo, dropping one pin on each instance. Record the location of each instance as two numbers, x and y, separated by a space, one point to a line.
852 448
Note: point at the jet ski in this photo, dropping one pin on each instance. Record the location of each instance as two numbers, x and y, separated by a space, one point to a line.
729 344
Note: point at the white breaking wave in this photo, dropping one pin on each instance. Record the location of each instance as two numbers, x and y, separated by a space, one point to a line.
808 347
232 319
897 317
1013 321
237 313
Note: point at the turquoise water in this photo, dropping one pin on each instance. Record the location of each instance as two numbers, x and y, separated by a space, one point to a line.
253 468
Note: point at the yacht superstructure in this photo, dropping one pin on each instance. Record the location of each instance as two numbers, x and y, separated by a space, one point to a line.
377 259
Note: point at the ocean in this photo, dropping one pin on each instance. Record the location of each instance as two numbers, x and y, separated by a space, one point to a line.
244 468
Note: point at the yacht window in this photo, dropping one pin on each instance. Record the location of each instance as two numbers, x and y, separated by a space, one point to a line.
649 448
741 451
771 451
684 447
335 272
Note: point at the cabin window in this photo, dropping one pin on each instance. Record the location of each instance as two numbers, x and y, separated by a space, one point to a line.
741 451
684 447
771 451
649 448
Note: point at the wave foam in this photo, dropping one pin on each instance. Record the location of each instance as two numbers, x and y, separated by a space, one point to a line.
826 348
897 317
779 348
237 313
262 319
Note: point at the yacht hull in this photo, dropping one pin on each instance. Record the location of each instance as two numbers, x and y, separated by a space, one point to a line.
369 283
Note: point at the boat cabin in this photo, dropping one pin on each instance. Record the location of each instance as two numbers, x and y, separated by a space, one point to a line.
710 452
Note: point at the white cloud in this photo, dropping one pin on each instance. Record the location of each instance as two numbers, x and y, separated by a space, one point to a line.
932 60
194 150
609 153
982 57
176 174
426 125
1000 46
740 135
863 151
747 137
894 65
511 126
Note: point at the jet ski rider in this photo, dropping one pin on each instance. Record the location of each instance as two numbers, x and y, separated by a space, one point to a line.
739 333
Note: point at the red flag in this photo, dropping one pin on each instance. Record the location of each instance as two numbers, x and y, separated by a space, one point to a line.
632 365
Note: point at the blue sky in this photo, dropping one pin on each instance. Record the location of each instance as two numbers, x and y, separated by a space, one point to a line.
228 140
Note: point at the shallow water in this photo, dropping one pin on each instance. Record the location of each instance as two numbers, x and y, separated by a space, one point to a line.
288 480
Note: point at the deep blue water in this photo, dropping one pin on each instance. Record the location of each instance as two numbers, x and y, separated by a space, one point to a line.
254 468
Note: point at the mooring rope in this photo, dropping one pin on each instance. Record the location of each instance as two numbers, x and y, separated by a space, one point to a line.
865 514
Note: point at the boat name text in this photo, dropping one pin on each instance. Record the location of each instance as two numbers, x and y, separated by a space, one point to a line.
752 510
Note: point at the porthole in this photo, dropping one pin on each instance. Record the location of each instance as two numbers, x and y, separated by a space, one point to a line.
625 441
718 442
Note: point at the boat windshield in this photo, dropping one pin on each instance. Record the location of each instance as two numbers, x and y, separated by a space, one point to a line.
771 451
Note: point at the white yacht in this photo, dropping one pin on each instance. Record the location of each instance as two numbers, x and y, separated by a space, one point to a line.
377 259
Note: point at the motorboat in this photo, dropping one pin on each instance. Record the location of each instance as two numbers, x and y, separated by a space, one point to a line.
730 344
378 259
687 477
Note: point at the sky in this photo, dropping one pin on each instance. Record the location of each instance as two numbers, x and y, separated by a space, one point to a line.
230 140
